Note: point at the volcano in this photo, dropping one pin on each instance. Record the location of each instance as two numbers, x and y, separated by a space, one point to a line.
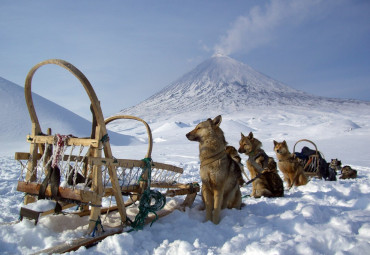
222 84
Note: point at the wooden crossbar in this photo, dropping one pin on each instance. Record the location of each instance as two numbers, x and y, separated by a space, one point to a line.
129 163
164 185
26 156
33 188
41 139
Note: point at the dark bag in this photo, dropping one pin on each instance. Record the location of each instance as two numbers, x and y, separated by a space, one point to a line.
326 172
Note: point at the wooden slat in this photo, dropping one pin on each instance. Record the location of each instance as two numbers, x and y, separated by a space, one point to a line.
165 185
130 188
128 163
179 192
189 189
52 211
71 141
105 210
311 174
26 212
168 167
189 200
26 156
75 244
73 194
33 188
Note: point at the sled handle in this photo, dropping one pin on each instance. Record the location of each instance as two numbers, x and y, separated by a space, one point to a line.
100 132
36 129
306 140
150 138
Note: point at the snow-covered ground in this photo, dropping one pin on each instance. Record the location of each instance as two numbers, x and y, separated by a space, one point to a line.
319 218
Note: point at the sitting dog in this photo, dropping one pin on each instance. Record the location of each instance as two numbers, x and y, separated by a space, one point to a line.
233 153
336 165
348 173
262 168
289 165
220 174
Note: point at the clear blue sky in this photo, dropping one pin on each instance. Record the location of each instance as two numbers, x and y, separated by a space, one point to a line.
130 50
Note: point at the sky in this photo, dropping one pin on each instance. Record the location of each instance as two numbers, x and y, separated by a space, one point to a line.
130 50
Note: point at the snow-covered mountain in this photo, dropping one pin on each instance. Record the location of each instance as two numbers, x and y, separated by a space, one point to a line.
16 122
222 85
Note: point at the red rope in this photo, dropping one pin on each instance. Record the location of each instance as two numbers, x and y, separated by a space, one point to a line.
60 145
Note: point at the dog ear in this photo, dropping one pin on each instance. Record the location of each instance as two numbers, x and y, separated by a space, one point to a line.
217 120
250 136
242 135
284 142
275 142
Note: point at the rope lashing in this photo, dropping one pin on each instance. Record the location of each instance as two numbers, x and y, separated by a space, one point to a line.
104 139
145 204
97 223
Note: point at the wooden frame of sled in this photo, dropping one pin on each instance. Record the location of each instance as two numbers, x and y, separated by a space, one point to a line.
91 160
312 165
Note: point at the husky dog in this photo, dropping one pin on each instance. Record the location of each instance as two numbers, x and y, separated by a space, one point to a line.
336 164
348 173
236 157
219 173
262 168
289 165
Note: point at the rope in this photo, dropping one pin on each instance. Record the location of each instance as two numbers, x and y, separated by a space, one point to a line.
255 178
104 139
145 205
61 140
97 223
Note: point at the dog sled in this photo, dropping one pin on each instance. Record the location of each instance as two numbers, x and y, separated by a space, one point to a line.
82 171
314 162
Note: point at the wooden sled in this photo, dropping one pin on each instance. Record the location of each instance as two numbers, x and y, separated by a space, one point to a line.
312 164
88 171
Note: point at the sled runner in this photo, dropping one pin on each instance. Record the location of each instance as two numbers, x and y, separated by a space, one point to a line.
83 171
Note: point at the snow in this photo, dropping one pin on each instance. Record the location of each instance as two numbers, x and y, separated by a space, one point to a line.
321 217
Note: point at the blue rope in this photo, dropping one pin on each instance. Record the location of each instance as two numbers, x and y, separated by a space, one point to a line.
145 205
97 223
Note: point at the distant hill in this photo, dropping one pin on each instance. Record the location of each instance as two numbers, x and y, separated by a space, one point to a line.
222 85
16 122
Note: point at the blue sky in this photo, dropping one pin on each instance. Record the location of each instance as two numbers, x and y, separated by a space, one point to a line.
130 50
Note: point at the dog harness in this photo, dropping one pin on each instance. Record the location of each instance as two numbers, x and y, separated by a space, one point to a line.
215 157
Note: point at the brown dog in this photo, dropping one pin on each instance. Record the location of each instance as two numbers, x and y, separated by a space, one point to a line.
219 173
262 167
289 165
348 173
233 153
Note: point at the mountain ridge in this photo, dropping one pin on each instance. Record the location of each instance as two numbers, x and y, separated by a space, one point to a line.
222 84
